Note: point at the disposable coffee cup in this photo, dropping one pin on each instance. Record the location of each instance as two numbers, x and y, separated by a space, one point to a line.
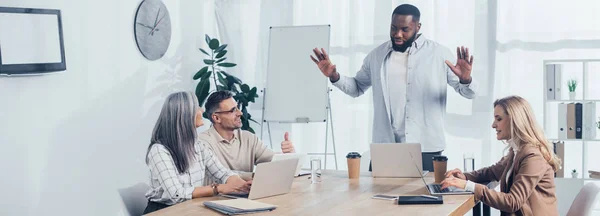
440 163
353 159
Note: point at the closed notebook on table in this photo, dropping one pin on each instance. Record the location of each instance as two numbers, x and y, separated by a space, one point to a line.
238 206
419 200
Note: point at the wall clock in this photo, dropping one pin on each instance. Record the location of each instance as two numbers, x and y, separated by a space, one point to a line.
152 29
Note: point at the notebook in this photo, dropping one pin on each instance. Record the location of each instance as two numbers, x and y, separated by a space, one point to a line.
418 200
238 206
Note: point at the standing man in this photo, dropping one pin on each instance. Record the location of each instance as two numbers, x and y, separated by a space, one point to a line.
409 74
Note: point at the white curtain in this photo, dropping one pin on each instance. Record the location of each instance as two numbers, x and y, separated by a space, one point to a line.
510 40
524 41
356 28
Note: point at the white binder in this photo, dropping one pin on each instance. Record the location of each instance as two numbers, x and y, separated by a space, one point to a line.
562 121
589 120
558 84
550 82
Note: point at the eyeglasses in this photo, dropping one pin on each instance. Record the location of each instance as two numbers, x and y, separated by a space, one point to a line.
232 110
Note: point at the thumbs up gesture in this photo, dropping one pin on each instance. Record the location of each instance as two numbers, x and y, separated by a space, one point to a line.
286 145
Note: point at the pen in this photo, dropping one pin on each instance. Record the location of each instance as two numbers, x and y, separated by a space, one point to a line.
432 197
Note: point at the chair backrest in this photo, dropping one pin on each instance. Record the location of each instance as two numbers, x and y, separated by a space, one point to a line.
585 200
134 198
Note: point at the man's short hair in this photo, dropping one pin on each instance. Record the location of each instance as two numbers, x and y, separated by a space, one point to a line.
214 100
408 9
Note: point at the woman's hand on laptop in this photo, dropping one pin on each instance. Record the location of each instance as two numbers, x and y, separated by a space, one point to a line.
455 182
235 184
456 173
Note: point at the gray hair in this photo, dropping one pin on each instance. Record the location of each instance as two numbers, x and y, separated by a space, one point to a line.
175 128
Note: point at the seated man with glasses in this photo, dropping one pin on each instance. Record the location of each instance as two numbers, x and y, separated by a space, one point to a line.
237 149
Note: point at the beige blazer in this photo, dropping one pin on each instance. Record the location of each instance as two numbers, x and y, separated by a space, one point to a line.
530 190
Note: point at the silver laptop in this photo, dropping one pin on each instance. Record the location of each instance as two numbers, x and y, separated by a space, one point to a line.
301 157
270 179
436 189
392 160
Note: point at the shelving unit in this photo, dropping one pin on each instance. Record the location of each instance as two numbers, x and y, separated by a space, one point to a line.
583 98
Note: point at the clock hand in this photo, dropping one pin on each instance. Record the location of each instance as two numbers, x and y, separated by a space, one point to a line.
155 19
157 24
144 25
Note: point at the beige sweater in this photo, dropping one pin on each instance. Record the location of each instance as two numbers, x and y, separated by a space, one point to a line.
240 154
529 190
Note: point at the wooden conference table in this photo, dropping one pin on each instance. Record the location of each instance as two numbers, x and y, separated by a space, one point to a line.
336 194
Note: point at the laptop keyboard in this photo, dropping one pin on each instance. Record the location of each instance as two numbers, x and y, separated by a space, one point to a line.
239 195
438 189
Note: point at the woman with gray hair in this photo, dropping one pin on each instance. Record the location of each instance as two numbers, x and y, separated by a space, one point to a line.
178 162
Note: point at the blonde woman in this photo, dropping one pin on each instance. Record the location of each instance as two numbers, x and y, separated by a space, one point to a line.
526 174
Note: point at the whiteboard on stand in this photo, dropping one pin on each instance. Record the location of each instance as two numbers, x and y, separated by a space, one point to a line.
296 90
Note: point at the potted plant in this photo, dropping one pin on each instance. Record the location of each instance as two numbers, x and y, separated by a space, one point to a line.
215 69
572 86
574 173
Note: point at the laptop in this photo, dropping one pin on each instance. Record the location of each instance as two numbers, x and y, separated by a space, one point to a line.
392 160
436 189
301 157
270 179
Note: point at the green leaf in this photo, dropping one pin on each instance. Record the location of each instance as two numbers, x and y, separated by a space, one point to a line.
202 91
220 60
201 73
222 79
233 78
209 61
222 47
242 100
227 64
244 111
245 88
221 88
204 51
207 39
206 76
221 54
251 95
233 89
254 121
251 130
214 44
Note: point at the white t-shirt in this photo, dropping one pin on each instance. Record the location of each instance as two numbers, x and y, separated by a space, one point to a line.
397 70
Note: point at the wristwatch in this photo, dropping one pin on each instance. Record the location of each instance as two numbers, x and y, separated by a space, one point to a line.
215 190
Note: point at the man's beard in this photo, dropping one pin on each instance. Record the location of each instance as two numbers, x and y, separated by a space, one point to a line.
405 45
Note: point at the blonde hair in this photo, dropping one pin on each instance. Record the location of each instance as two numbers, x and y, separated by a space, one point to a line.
524 128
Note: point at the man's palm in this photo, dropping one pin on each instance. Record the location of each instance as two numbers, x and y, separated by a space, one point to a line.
464 64
322 60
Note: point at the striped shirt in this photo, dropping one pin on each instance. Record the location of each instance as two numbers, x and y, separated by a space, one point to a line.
169 187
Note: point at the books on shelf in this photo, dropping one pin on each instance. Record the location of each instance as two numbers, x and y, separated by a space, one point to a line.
559 150
594 174
577 120
553 81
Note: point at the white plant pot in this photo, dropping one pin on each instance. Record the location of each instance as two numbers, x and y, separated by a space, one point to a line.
574 175
572 95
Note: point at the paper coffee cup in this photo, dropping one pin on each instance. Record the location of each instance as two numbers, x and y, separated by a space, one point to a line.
353 159
440 163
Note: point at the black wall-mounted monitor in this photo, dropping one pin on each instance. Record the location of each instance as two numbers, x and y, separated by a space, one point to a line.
31 41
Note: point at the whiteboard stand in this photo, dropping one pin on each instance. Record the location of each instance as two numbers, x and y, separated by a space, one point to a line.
328 121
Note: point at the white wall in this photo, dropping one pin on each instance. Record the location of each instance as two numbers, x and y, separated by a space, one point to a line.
70 140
